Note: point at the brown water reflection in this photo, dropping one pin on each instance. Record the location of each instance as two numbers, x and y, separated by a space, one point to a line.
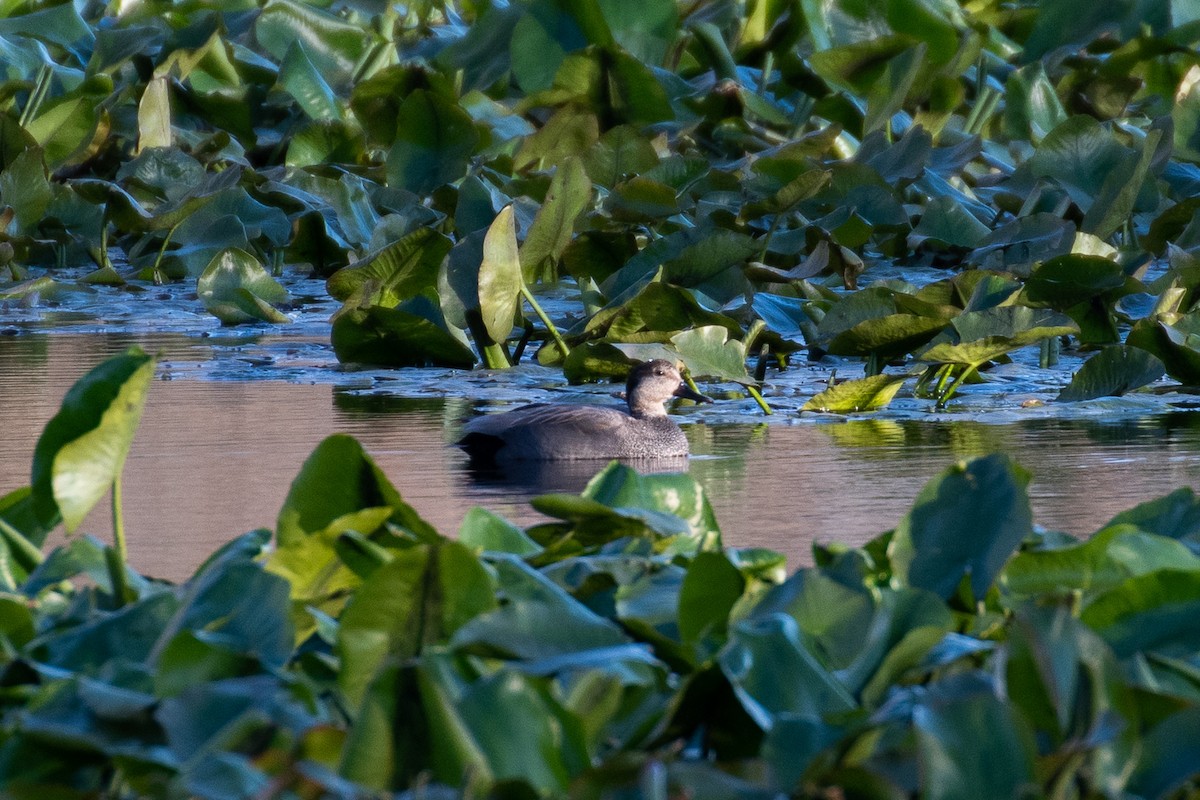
213 459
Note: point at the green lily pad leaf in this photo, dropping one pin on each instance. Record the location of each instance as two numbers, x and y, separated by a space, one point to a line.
44 286
1018 245
874 302
397 337
1176 515
1117 552
787 316
597 361
1080 154
620 153
708 351
443 586
1170 750
1111 373
325 141
951 756
235 289
710 589
1067 280
335 46
103 276
1177 345
1150 613
570 132
519 629
893 335
402 269
964 524
82 449
471 731
339 478
658 307
992 332
776 674
27 190
68 124
298 76
154 116
18 516
1032 107
569 194
641 198
621 486
434 139
865 394
492 533
500 278
947 222
1115 202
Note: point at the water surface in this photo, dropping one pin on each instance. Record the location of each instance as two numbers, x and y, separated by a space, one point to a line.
214 458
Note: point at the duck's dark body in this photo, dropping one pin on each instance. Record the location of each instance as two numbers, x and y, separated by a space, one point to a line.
552 432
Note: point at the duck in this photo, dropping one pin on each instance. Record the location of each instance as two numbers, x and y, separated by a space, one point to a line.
574 432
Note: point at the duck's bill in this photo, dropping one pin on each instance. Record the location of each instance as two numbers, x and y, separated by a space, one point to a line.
687 392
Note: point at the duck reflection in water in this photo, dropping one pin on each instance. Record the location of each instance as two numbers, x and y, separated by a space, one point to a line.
557 446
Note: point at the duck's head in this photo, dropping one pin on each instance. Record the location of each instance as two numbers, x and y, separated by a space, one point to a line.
652 383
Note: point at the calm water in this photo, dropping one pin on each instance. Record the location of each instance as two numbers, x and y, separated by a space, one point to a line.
214 458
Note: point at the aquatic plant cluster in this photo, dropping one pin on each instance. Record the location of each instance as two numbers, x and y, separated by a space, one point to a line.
714 182
617 650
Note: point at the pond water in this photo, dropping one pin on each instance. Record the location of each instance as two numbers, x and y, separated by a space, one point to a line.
215 452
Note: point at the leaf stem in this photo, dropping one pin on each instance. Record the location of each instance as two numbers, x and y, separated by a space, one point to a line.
553 331
37 96
944 398
117 555
162 251
758 398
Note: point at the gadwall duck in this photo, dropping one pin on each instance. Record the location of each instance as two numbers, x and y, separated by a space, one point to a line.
551 432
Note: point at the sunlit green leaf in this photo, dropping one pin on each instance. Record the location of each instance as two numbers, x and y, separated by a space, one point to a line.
235 288
83 447
864 394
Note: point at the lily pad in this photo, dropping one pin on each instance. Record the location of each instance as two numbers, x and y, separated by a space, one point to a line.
865 394
235 289
1113 372
82 450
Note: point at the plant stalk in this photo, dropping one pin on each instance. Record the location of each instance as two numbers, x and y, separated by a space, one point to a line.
117 555
553 331
949 393
758 398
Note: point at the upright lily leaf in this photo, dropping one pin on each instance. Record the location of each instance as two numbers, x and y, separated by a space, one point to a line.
1111 373
434 139
334 45
419 598
154 116
340 478
955 762
552 228
708 351
964 524
500 280
235 288
299 77
402 269
82 450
